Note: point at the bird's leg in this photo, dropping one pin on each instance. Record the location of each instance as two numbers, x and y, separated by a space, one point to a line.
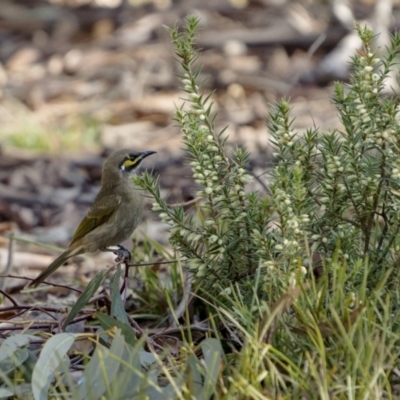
123 254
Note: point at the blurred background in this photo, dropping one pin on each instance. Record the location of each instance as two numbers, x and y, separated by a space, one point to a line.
79 78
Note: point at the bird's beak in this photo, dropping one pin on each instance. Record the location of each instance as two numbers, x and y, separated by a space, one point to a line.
146 154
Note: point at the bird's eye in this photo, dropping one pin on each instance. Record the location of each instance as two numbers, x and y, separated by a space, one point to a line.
129 163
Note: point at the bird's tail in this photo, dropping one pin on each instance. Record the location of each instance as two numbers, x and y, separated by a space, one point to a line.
57 263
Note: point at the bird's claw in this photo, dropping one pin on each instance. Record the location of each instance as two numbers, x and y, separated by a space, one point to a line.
123 255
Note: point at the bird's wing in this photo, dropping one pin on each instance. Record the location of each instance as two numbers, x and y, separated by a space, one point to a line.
98 214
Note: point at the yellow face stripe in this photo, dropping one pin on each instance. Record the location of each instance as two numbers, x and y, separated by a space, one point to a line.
130 163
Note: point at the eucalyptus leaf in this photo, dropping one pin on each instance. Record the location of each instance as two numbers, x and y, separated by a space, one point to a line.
195 380
147 358
23 391
212 352
101 369
127 382
156 392
25 388
14 361
13 343
5 393
51 356
28 366
117 306
165 393
89 291
108 322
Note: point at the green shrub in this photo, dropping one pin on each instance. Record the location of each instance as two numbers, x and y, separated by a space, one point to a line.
332 193
305 279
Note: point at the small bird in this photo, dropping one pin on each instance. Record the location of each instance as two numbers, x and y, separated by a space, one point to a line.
114 215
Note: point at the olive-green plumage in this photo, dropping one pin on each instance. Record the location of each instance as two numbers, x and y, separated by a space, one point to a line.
115 213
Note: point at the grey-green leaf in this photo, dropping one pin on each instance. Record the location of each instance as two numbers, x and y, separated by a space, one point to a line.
147 358
117 306
90 290
13 343
101 370
194 379
108 322
212 352
127 383
17 358
5 393
51 356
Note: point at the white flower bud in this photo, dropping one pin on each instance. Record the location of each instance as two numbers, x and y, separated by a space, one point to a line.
201 273
156 207
212 239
